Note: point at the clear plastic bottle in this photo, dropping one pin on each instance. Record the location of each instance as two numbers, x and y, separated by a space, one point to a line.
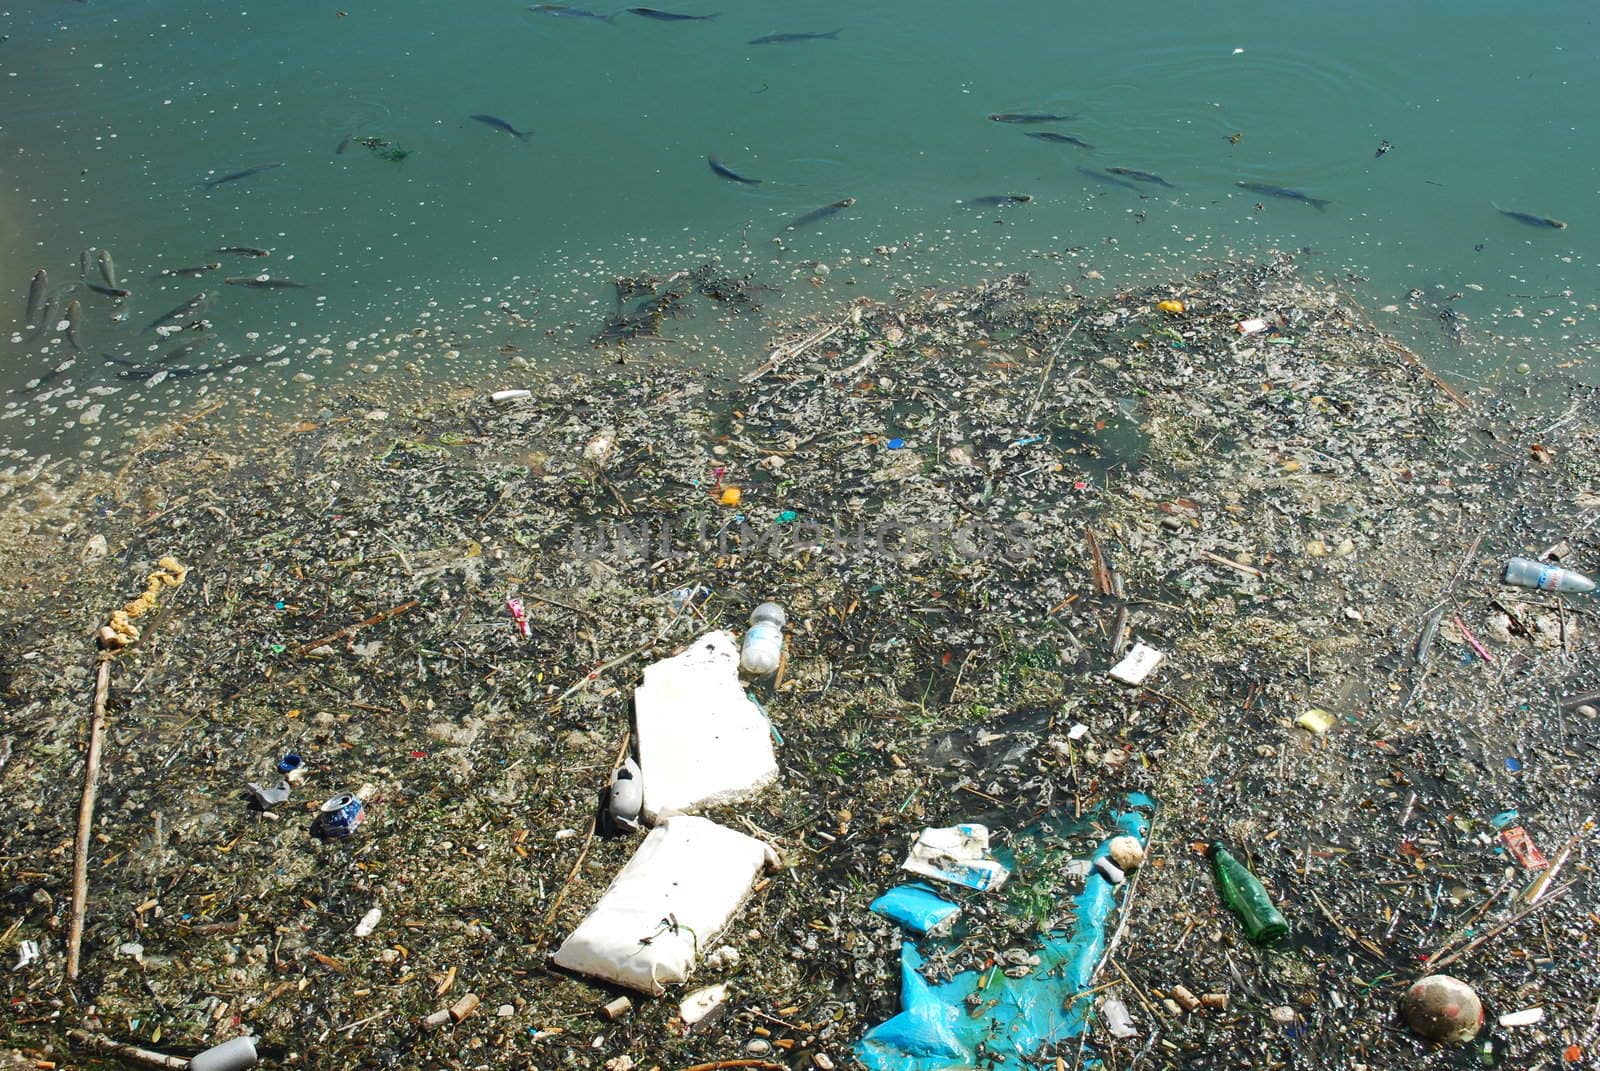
763 641
1527 573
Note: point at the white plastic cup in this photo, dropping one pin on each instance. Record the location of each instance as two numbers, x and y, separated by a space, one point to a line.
229 1056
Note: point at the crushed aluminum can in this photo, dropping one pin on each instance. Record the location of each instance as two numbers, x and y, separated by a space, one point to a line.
519 616
340 816
1522 848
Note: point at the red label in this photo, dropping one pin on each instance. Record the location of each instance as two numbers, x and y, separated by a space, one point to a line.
1522 848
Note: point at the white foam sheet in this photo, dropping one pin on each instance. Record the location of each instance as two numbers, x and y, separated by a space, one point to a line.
683 885
701 741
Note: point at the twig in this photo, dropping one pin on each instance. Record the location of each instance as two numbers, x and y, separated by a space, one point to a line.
791 350
1504 926
1127 908
1348 932
104 1046
363 1022
1474 917
1097 560
594 675
91 784
594 826
1217 559
351 630
1432 376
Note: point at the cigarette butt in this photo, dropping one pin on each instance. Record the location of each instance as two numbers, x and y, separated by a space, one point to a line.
616 1009
464 1007
1215 1001
1188 1000
437 1019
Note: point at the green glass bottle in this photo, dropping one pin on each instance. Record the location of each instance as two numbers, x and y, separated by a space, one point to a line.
1246 897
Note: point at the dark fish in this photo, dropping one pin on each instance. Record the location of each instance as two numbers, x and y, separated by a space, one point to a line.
820 213
47 320
570 12
1140 176
1060 139
1027 117
246 173
191 272
502 125
1285 193
73 314
1531 220
1109 180
83 264
145 371
193 305
244 251
179 352
36 293
728 173
345 144
261 282
670 16
999 199
108 291
108 269
785 38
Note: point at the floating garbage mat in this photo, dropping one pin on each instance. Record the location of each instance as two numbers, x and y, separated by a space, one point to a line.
390 732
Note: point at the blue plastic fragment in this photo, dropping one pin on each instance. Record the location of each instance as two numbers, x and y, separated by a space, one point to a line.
1514 765
290 763
1019 1016
1505 818
897 444
916 907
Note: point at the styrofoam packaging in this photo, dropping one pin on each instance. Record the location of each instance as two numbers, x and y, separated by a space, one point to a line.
702 742
1139 664
687 879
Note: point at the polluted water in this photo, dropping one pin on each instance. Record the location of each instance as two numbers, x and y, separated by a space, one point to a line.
1138 472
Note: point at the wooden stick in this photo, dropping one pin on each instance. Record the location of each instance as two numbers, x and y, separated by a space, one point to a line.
1503 927
1097 559
594 825
1217 559
104 1046
790 350
1432 376
80 848
351 630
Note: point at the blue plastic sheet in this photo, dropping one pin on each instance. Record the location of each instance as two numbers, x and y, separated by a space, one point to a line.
916 907
1020 1016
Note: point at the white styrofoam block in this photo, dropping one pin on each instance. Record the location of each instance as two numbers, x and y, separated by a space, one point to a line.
701 741
667 905
1139 664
